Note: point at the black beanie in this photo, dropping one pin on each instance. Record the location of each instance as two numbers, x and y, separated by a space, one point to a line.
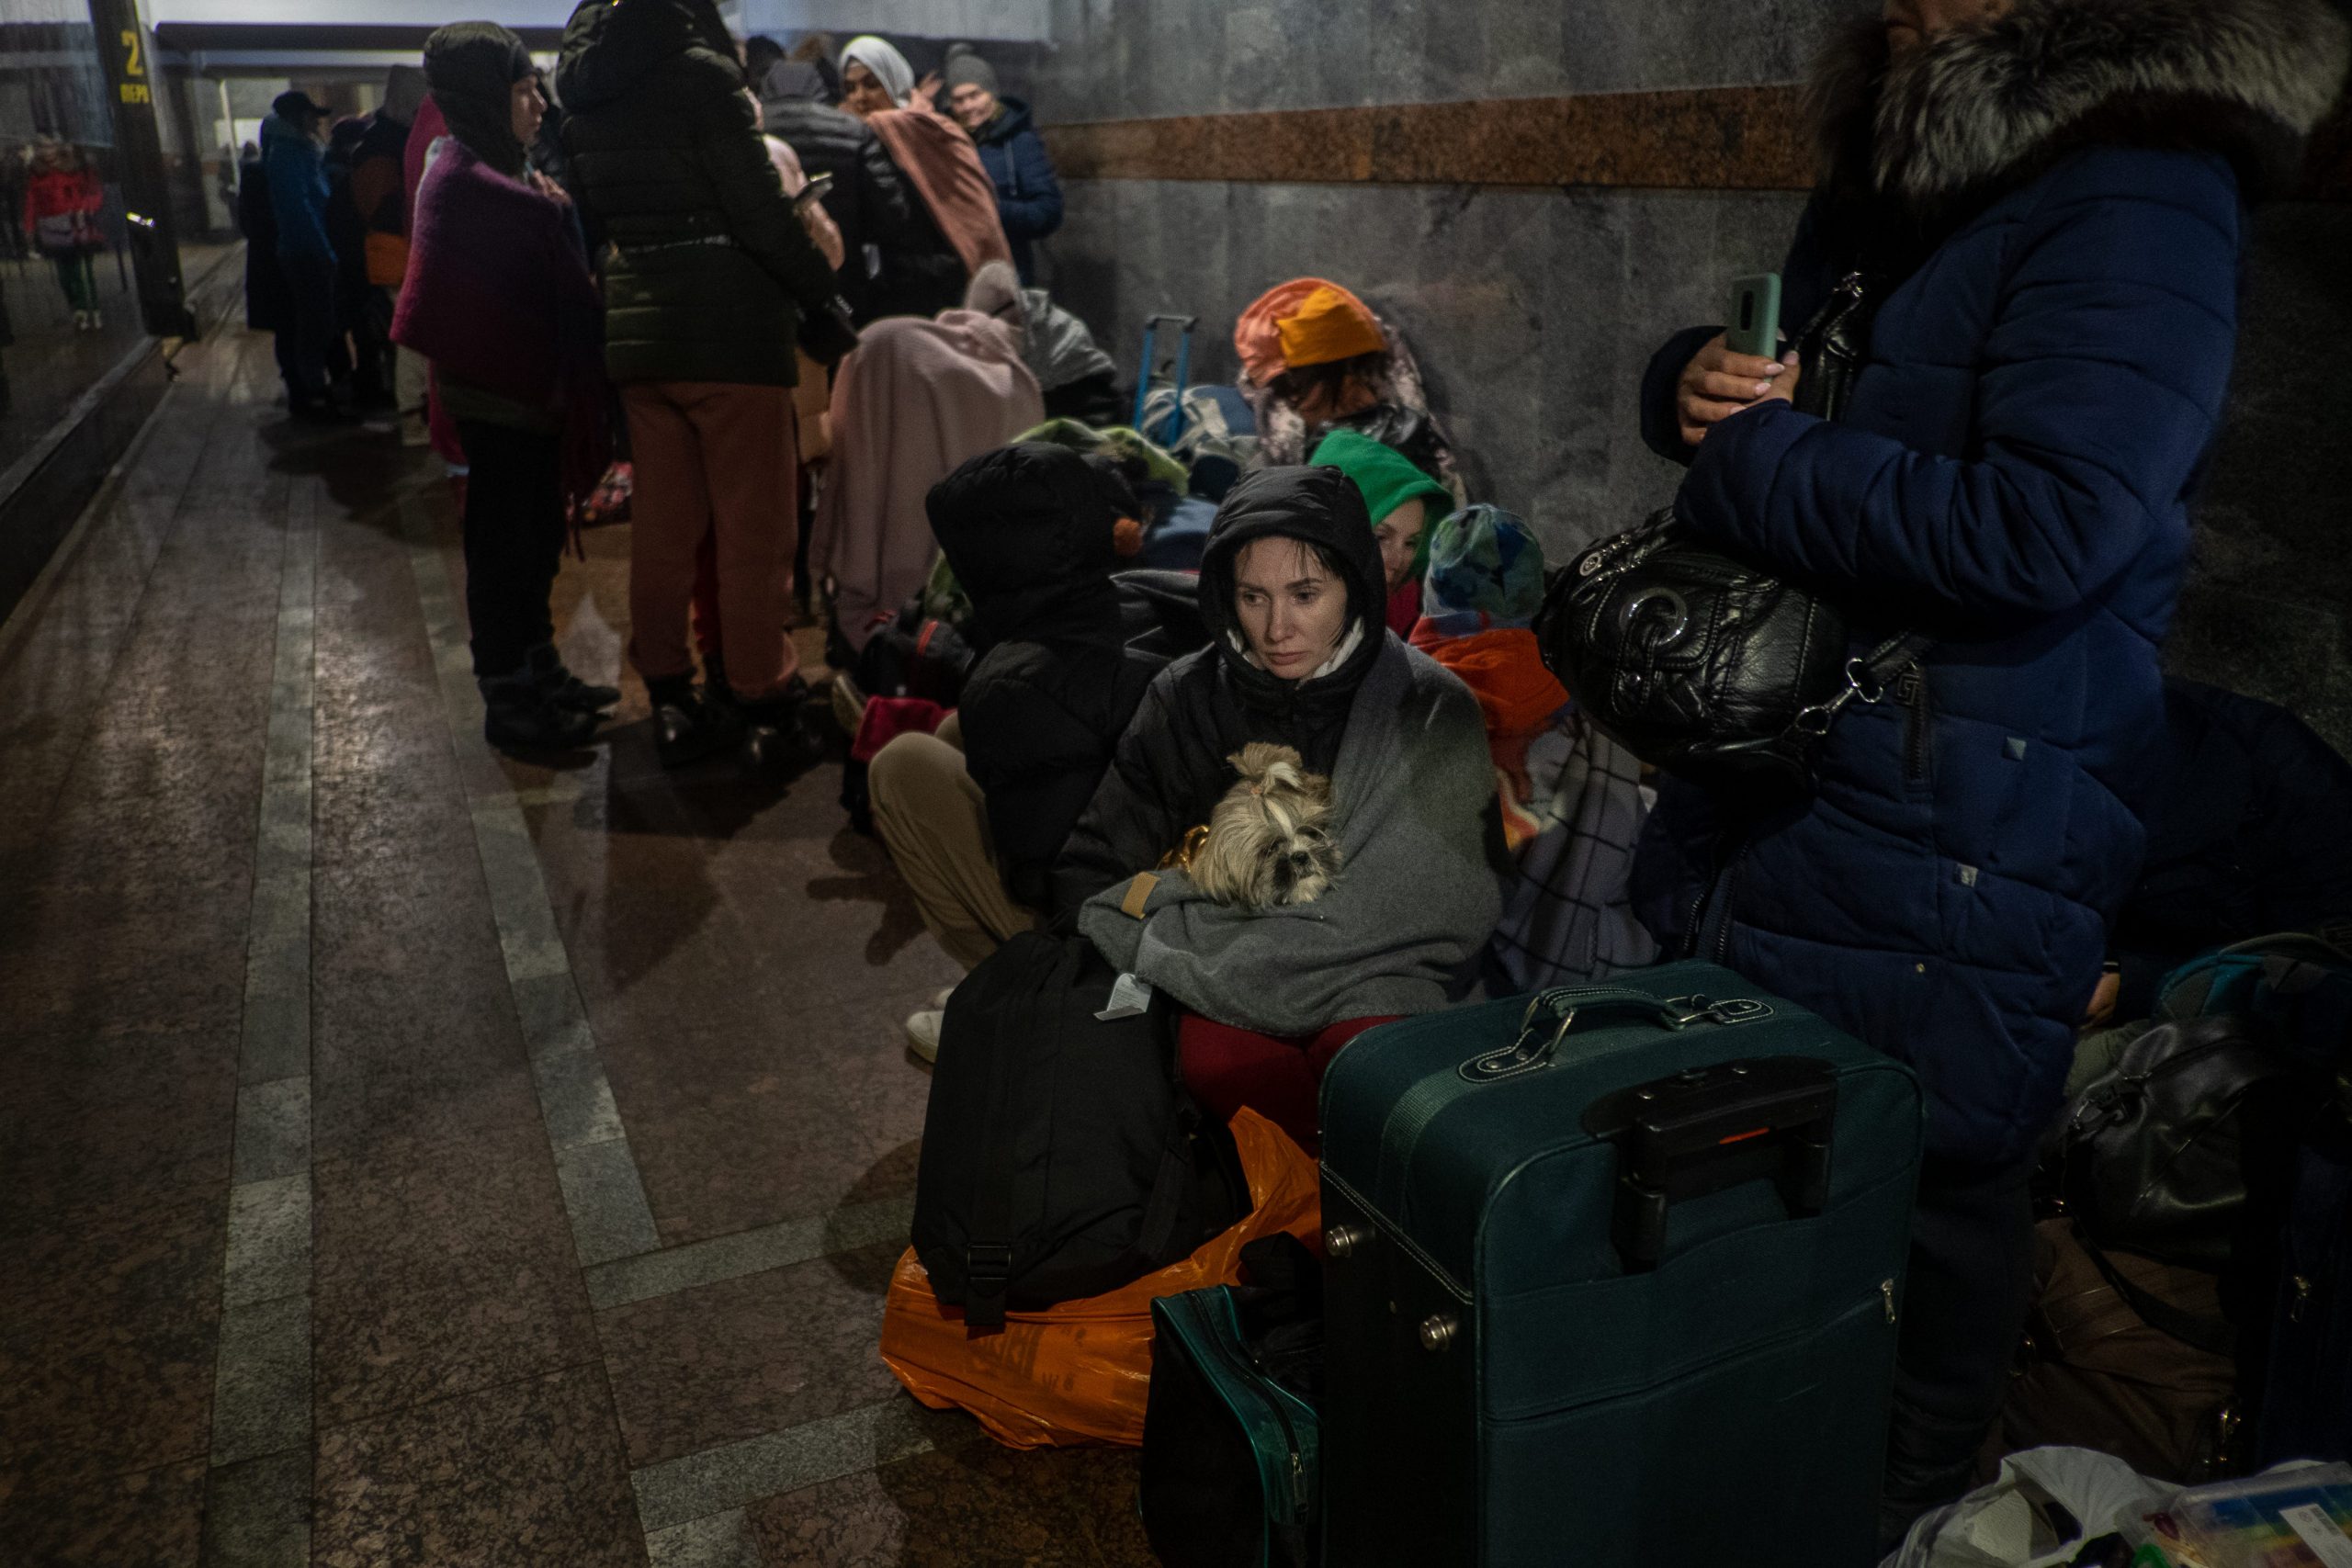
472 68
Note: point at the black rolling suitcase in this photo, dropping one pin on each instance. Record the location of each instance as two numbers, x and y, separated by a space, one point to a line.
1614 1279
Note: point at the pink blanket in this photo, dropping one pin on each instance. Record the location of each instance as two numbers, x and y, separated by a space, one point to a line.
915 399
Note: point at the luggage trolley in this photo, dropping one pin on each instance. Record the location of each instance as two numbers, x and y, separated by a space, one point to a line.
1175 425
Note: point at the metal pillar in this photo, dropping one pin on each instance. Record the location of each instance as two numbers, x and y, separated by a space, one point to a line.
139 166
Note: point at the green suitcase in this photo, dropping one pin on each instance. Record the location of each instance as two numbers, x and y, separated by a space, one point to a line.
1614 1279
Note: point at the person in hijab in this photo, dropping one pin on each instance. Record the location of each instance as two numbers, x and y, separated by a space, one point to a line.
713 282
952 229
498 296
1293 594
869 200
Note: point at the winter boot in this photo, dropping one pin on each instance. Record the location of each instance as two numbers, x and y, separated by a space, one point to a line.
687 728
777 740
564 689
518 717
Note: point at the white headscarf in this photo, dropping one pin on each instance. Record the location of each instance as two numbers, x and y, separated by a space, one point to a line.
889 67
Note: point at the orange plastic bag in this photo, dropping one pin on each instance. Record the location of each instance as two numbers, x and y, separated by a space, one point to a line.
1078 1373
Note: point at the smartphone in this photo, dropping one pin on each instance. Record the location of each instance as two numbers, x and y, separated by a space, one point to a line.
1755 316
812 193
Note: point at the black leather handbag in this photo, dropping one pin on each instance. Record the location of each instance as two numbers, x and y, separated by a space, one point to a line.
1703 664
2163 1154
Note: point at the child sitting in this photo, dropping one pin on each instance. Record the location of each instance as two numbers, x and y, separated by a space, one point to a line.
1479 599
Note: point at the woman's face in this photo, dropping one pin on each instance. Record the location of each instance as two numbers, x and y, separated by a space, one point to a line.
862 91
1293 611
1399 534
522 104
1909 22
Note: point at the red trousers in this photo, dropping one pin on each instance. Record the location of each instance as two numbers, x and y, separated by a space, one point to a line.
714 463
1227 1069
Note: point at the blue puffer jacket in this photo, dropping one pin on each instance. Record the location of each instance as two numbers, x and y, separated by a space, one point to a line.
295 167
2013 476
1028 198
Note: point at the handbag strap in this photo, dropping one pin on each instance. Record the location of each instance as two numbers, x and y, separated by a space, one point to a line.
2212 1335
1867 679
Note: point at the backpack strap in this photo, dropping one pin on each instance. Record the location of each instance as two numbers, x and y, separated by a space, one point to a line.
988 1245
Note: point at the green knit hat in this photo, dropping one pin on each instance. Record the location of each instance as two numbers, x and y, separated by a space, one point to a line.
1384 476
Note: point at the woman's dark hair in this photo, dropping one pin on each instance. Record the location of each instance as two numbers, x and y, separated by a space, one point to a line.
1331 378
760 53
1324 556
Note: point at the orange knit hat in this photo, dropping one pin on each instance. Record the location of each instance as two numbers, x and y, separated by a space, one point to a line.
1331 324
1263 336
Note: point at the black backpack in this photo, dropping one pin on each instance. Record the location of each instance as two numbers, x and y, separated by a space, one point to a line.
1061 1158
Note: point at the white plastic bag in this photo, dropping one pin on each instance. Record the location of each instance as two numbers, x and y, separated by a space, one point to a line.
2036 1513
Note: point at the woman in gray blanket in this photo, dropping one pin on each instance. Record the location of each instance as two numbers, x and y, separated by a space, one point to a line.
1293 596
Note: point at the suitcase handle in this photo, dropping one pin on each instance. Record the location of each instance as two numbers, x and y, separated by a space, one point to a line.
1540 1035
1710 1129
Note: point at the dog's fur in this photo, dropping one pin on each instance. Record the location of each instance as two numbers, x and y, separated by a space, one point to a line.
1982 109
1267 842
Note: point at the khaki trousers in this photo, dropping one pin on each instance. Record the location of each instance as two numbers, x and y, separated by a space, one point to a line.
712 458
935 821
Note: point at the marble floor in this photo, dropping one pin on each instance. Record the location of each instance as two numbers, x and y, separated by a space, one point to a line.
408 1155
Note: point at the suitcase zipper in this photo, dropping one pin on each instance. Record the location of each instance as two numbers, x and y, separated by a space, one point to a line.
1243 1374
1878 1302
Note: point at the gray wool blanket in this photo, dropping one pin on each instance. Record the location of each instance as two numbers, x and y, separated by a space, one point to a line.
1413 792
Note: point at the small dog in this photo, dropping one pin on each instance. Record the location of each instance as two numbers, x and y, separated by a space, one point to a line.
1267 843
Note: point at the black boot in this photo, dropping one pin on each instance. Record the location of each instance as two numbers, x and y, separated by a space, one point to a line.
687 728
564 689
518 717
777 739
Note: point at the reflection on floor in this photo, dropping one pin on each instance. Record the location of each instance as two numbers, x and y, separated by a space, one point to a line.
411 1156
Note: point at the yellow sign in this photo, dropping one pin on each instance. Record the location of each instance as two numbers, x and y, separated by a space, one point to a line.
136 93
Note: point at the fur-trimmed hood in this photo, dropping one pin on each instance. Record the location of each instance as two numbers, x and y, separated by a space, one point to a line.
1979 109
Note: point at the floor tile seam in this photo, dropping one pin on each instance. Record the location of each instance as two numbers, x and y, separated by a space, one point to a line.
897 1422
601 1197
31 604
679 1261
265 1372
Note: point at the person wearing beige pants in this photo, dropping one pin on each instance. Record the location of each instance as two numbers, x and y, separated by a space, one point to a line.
934 820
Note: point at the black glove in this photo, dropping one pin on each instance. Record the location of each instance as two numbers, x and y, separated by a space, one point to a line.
826 335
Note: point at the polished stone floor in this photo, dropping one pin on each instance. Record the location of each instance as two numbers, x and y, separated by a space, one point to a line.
408 1156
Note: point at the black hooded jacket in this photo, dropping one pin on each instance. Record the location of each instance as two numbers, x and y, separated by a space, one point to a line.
1171 767
870 201
712 271
1067 649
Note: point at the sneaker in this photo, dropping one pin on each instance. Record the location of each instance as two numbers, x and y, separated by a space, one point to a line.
413 432
98 322
81 320
922 1033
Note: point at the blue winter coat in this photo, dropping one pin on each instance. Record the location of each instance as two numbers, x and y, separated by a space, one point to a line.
2013 476
1028 198
295 167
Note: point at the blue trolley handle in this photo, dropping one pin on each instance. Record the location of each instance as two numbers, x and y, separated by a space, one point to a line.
1175 426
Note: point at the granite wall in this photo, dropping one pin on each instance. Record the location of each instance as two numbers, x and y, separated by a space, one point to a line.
1534 311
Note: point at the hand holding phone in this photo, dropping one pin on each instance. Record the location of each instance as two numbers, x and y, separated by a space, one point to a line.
812 193
1754 324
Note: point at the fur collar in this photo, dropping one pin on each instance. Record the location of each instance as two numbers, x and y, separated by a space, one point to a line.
1979 110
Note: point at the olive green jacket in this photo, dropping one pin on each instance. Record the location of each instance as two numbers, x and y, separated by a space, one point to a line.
711 271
